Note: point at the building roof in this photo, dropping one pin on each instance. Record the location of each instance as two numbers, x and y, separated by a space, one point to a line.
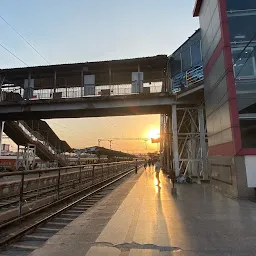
104 151
197 8
189 38
69 75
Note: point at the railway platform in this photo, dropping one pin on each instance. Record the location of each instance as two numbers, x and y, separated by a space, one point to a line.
141 218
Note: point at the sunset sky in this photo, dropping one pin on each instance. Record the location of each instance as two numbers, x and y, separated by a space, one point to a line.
65 31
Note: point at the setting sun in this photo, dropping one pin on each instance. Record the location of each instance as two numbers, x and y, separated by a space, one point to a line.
153 134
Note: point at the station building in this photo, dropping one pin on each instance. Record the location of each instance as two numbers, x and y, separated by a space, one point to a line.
220 56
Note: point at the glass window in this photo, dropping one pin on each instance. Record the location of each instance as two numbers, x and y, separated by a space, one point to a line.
241 4
186 60
193 39
196 53
244 62
248 131
241 28
175 64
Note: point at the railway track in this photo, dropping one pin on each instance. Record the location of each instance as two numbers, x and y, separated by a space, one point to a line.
31 236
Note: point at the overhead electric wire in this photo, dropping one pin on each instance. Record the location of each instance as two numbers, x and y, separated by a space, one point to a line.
24 39
13 54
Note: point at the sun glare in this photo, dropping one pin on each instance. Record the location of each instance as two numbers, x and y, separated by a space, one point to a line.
153 134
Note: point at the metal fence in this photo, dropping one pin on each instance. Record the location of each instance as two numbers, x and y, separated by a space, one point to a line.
16 93
191 77
29 190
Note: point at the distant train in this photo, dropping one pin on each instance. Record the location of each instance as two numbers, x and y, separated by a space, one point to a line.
72 161
9 162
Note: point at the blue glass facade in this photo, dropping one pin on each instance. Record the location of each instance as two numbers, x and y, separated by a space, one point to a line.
242 20
186 63
234 5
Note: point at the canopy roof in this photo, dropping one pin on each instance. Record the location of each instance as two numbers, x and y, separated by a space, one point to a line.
69 75
104 151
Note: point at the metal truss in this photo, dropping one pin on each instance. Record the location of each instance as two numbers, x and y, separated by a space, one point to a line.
189 142
183 142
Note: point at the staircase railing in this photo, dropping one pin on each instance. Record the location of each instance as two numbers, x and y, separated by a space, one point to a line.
36 137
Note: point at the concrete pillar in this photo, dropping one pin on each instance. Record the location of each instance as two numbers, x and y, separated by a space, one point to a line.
175 141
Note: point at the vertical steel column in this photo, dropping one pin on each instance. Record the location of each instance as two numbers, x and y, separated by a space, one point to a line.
1 83
110 78
66 87
58 185
203 143
170 141
54 83
162 140
27 91
175 140
139 77
168 144
21 193
17 158
1 135
194 164
82 83
80 175
93 167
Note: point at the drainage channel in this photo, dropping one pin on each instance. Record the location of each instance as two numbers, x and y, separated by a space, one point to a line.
36 235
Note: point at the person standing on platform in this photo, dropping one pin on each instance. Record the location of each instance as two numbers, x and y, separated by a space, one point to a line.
157 170
145 165
136 166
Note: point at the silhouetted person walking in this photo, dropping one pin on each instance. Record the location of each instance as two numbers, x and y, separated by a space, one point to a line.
157 170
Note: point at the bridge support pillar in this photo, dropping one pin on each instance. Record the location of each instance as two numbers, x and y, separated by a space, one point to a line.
165 146
175 148
169 131
168 144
